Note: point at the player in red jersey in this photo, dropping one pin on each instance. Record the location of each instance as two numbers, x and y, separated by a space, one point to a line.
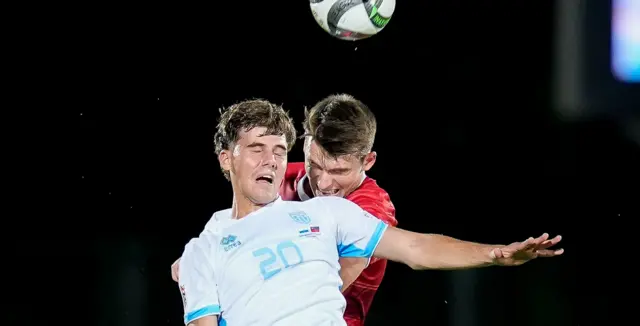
359 283
339 135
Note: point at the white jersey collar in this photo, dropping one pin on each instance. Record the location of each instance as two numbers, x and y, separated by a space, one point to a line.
226 213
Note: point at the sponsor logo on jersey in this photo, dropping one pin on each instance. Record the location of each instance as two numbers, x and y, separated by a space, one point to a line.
230 242
309 231
300 217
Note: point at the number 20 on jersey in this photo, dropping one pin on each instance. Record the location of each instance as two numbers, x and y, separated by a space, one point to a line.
273 260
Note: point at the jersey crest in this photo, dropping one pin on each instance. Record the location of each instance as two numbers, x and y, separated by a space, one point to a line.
300 217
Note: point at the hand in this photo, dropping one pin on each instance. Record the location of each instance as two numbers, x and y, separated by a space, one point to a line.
519 253
175 270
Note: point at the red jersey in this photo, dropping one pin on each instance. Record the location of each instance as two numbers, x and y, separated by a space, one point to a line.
373 199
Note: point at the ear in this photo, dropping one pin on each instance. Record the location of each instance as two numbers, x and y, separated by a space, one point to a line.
369 160
225 160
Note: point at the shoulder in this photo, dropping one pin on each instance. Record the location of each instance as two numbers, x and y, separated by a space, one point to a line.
217 217
295 170
375 200
202 244
292 176
222 215
327 200
330 205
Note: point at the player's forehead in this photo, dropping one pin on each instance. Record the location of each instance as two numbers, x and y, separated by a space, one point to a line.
260 136
316 155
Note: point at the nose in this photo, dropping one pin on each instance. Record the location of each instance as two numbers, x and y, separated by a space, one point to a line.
269 160
324 182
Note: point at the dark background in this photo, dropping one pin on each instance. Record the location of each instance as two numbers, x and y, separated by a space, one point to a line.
469 145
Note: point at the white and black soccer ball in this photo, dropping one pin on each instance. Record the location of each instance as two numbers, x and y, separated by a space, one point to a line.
352 19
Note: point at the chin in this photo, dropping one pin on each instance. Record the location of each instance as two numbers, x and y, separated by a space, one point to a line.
264 199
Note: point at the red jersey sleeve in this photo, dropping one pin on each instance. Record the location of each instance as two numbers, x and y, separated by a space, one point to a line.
289 187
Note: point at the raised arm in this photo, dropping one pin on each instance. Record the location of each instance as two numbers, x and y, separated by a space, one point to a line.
435 251
361 235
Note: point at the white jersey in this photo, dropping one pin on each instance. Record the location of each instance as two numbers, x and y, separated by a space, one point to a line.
277 265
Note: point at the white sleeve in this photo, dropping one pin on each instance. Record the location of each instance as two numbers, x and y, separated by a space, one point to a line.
197 280
358 231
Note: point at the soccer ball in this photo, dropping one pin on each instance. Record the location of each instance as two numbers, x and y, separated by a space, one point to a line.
352 19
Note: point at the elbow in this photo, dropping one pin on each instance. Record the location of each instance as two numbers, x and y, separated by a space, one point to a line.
419 257
420 265
416 267
416 263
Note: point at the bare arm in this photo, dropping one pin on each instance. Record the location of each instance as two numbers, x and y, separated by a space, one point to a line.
205 321
432 251
350 269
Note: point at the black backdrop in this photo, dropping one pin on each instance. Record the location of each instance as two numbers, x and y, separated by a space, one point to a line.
468 146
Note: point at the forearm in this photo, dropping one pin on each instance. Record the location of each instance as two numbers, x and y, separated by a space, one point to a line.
205 321
435 251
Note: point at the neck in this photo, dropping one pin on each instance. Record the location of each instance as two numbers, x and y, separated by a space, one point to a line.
242 206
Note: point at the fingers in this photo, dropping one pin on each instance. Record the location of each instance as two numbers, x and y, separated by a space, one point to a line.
539 240
545 253
532 243
542 242
550 243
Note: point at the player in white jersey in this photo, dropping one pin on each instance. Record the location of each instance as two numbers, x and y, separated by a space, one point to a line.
278 265
269 262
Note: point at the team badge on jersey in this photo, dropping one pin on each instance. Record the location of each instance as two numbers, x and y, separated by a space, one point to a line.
309 231
300 217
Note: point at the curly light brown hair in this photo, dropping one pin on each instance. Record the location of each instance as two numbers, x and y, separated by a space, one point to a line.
246 115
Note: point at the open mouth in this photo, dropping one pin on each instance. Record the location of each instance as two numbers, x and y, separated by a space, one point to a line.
265 179
328 193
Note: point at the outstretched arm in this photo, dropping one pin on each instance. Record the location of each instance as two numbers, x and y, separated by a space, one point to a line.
434 251
360 235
